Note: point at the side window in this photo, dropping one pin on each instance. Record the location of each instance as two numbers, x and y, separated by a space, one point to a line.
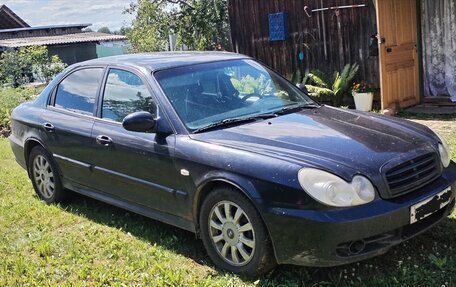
125 93
78 91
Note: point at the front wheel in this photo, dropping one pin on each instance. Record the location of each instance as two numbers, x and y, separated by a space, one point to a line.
234 234
45 176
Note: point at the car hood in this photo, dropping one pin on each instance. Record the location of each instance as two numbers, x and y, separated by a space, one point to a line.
363 141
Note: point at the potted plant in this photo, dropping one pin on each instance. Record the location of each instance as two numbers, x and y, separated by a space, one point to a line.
363 94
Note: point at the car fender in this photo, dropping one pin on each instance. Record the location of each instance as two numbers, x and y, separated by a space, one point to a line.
242 183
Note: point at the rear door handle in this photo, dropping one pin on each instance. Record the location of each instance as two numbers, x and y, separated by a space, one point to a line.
104 140
48 127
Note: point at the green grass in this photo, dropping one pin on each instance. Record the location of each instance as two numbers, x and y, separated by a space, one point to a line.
87 243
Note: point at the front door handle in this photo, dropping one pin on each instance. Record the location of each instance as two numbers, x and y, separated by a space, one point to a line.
104 140
48 127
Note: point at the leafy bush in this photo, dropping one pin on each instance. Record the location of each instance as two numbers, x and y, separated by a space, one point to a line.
9 99
250 85
323 86
19 67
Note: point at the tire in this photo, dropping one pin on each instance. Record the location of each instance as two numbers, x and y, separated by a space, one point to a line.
45 177
221 234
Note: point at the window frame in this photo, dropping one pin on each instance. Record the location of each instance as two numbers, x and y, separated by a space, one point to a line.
99 103
52 98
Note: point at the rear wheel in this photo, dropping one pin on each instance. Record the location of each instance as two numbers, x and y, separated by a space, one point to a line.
234 234
45 176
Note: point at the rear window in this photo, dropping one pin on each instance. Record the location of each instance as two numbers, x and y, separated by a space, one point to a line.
78 91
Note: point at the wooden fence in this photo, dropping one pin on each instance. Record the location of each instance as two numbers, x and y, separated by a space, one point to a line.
328 39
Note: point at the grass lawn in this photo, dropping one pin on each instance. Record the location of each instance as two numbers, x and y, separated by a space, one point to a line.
87 243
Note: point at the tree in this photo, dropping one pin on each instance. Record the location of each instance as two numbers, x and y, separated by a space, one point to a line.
104 30
18 67
198 24
122 31
150 28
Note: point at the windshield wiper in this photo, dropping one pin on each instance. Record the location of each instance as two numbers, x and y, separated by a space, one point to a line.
236 120
295 108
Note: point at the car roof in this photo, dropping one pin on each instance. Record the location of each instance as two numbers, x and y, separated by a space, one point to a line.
165 60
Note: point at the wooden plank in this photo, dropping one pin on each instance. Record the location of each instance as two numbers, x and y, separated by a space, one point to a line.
347 44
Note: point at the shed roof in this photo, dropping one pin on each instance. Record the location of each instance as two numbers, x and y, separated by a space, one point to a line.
47 27
83 37
9 19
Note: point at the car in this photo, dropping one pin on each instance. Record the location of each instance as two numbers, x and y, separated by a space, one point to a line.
220 145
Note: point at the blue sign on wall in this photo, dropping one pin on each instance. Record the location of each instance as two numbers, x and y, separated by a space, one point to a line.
278 26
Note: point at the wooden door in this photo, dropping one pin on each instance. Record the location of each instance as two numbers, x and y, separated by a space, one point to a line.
397 29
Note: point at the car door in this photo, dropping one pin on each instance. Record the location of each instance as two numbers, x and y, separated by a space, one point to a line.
67 122
136 167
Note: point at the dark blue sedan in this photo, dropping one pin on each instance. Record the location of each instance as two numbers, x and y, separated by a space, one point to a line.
220 145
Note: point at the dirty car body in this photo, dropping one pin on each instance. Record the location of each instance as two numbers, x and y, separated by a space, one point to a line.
331 186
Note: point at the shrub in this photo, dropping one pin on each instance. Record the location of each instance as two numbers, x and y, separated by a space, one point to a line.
9 99
321 85
19 67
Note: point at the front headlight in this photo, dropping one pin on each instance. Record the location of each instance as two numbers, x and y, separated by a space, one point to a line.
444 150
333 190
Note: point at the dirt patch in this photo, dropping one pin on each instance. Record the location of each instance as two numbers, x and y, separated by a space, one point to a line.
4 132
441 126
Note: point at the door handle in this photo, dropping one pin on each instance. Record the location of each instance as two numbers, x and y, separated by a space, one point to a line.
48 127
104 140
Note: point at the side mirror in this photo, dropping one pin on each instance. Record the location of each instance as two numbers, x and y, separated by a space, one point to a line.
303 88
140 122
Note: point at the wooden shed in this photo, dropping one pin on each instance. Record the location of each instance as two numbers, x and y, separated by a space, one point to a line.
69 41
395 42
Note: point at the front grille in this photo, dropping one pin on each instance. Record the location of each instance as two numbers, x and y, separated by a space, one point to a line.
412 174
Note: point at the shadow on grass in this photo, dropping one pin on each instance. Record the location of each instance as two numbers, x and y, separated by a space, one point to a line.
383 270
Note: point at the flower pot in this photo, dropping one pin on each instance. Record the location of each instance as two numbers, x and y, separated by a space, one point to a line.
363 101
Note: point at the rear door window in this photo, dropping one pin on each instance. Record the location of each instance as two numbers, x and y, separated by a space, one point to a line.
125 93
78 91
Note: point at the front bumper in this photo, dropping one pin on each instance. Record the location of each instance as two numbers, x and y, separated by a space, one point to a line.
345 235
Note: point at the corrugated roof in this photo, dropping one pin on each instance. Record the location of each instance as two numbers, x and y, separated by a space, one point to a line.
84 25
83 37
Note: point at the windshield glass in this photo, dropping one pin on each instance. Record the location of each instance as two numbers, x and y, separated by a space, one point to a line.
205 94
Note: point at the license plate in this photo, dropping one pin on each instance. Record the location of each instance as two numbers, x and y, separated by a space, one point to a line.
429 206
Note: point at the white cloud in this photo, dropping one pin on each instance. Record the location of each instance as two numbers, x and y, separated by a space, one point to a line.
54 12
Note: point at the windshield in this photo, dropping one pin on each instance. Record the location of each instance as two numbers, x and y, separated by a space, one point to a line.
209 93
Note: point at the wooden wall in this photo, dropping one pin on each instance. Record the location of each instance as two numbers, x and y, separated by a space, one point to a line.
39 32
347 31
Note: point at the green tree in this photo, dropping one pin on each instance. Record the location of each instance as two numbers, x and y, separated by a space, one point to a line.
104 30
122 31
198 24
18 67
14 69
150 28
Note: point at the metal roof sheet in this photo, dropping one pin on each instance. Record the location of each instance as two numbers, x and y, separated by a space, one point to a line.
84 25
83 37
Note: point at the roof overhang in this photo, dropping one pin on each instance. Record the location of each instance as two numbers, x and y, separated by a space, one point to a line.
84 37
49 27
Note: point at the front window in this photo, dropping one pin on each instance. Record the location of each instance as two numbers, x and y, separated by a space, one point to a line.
209 93
125 93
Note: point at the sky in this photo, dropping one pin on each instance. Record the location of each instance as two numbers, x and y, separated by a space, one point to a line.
54 12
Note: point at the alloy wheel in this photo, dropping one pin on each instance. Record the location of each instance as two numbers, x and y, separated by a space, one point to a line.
232 233
43 176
